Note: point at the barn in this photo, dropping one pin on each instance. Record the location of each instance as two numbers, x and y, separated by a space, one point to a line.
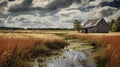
98 25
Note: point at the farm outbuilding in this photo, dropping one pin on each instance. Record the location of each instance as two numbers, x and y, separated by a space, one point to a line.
98 25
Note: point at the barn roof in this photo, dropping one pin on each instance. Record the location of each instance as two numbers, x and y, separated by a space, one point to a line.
91 22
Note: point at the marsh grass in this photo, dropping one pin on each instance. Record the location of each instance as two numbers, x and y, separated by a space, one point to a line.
107 48
95 45
16 49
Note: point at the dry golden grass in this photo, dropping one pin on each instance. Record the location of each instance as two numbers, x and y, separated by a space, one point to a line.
111 42
18 46
15 48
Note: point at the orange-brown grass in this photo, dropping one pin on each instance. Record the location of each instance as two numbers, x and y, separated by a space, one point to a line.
111 42
17 47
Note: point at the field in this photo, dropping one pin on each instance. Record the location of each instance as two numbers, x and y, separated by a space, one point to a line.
19 46
107 45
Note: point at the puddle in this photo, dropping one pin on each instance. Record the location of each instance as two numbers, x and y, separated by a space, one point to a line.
74 55
71 58
36 64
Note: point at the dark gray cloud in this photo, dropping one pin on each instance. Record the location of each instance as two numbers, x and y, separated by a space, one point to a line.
108 7
115 3
24 6
3 4
27 2
58 4
57 13
11 0
91 0
107 12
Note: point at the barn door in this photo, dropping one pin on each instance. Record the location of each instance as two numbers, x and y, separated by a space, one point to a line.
86 30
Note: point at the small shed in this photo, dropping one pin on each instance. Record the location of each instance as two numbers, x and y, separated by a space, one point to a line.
98 25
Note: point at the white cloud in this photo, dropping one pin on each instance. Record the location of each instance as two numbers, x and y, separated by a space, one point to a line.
3 5
2 22
14 2
61 18
114 16
33 21
41 3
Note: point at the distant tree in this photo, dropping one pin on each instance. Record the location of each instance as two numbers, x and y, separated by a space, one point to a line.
115 24
118 24
77 25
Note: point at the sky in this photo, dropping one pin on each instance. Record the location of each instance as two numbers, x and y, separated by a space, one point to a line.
55 13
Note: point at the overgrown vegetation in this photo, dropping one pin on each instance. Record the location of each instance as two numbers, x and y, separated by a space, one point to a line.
95 45
77 25
115 24
107 48
16 49
100 57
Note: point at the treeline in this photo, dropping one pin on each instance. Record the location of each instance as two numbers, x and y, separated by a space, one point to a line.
115 24
17 28
10 28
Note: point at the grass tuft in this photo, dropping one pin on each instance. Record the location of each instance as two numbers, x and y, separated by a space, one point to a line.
17 49
95 45
111 45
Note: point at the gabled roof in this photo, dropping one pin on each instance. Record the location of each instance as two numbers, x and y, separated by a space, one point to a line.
92 22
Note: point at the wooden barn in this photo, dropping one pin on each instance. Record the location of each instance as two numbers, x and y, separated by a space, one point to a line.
95 26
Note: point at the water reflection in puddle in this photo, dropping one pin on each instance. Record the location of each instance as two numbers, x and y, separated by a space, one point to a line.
36 64
71 59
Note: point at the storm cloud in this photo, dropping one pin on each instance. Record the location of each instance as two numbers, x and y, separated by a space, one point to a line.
85 5
107 11
58 4
114 3
3 4
56 13
24 6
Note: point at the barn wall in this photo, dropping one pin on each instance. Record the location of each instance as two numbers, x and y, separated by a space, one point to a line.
83 30
92 30
102 27
89 30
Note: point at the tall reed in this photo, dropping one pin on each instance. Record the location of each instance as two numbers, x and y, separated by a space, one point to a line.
111 43
16 49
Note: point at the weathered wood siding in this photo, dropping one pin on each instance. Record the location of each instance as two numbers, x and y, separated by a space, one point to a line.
102 27
89 30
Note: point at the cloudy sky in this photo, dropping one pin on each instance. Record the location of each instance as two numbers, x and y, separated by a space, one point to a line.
55 13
